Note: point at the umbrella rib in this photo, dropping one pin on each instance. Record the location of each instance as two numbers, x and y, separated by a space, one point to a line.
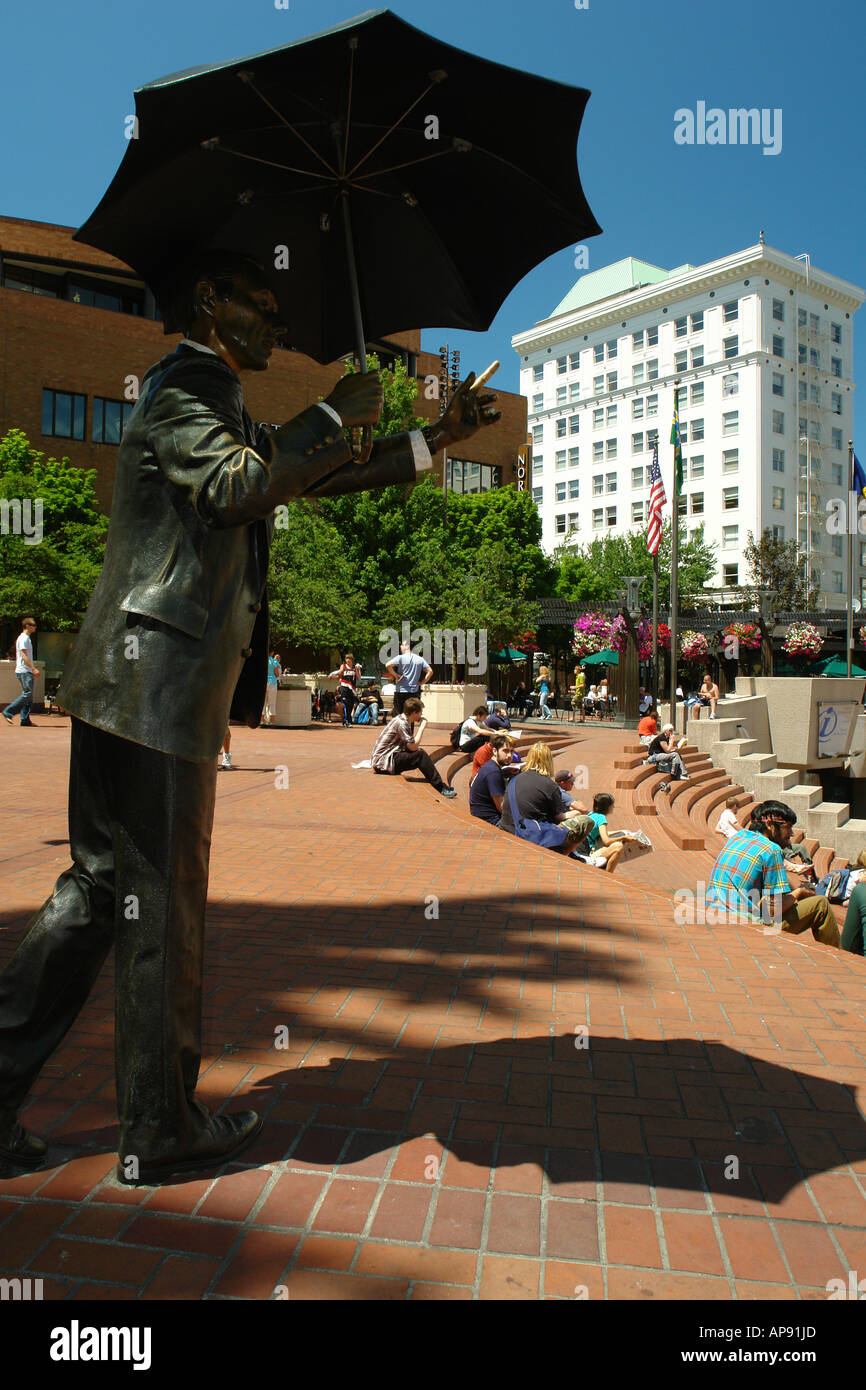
353 46
249 82
274 164
391 129
407 164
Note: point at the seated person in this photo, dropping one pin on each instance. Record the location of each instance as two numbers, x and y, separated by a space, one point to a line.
540 812
603 852
645 701
398 747
798 864
484 753
855 918
369 704
648 726
749 879
388 692
497 718
727 824
663 752
708 695
590 702
473 731
488 787
564 779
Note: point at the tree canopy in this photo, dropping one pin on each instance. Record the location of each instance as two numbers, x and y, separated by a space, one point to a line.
779 565
596 572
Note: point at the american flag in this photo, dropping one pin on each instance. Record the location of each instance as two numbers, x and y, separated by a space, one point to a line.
656 502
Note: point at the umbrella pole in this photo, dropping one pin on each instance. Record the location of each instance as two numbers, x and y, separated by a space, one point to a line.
360 450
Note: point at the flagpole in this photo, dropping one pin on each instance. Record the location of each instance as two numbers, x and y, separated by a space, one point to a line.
655 685
675 556
849 567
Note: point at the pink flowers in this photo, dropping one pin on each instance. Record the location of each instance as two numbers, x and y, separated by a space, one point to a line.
592 633
746 634
694 646
802 639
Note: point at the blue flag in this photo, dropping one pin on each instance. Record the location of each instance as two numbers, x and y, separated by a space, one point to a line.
859 478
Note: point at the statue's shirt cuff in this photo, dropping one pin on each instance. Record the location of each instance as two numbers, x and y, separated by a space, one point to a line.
420 451
332 412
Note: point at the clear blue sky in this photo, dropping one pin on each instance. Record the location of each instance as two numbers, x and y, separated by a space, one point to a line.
71 70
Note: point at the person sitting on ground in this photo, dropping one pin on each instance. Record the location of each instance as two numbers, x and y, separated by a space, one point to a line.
540 812
498 718
564 779
603 852
749 878
368 706
727 824
488 788
398 747
473 731
648 726
485 752
854 930
663 752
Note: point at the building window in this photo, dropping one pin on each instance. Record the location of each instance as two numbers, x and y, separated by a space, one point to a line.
538 495
610 415
836 470
538 401
778 384
611 381
698 322
610 449
559 459
814 358
652 405
802 318
652 369
730 499
574 360
537 434
611 482
697 431
778 422
560 523
731 384
814 323
573 521
560 492
696 394
561 366
470 477
637 340
561 393
696 465
611 516
652 438
778 533
731 461
597 518
836 546
801 354
697 356
779 310
778 499
837 581
730 576
637 477
681 361
835 332
637 408
778 346
684 432
573 489
597 385
109 418
598 451
612 348
648 476
537 463
681 506
538 372
697 504
730 537
637 443
574 391
835 403
598 418
574 424
573 457
837 438
561 427
652 337
801 391
731 347
63 414
836 366
637 512
637 375
732 311
778 460
598 484
598 352
681 326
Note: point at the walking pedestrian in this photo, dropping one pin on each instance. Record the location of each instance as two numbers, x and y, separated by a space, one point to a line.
26 674
275 670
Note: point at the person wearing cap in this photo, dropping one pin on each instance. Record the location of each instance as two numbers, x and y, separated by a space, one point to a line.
564 779
663 752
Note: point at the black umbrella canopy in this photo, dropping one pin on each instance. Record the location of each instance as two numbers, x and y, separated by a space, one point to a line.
460 176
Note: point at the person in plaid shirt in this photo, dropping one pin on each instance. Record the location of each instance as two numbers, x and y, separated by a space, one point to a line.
398 747
749 878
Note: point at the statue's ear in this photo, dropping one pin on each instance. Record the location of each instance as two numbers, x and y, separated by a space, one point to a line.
204 297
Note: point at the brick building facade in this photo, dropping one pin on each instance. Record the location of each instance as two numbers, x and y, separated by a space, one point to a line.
76 326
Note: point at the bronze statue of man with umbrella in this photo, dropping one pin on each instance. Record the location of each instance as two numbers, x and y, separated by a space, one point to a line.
175 639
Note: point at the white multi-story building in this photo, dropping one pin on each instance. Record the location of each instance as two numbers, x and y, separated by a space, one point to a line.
761 344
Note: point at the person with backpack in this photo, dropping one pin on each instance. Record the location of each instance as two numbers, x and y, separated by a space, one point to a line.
533 808
473 731
663 752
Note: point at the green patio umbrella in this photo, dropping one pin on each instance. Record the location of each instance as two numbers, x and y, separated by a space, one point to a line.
836 666
507 655
605 658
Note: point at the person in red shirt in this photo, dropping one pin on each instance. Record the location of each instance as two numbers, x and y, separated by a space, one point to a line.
648 727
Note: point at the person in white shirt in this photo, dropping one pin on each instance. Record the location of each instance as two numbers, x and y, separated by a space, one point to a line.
473 732
727 824
26 673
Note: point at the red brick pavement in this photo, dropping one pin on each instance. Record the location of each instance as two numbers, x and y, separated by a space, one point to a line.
436 1128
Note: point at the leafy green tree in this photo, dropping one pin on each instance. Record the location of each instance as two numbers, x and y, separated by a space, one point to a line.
597 572
53 571
314 596
779 565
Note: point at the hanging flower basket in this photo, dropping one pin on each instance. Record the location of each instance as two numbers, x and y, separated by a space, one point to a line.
803 639
694 646
644 631
746 634
592 632
863 635
664 637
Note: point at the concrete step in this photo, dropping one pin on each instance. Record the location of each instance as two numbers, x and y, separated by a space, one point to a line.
801 799
746 768
851 839
825 819
770 786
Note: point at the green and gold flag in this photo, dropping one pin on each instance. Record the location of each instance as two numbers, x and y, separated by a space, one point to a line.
678 448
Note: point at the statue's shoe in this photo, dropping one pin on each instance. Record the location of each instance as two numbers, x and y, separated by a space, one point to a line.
221 1139
18 1146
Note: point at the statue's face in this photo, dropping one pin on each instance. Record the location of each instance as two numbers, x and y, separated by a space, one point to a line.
247 324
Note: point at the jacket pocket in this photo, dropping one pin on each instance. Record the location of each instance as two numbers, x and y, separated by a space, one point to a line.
163 603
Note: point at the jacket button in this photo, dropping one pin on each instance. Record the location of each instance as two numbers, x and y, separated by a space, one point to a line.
309 451
246 652
255 608
329 439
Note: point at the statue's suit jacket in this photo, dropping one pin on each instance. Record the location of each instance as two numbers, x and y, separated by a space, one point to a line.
175 638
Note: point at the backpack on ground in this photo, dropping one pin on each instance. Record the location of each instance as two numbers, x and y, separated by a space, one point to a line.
454 739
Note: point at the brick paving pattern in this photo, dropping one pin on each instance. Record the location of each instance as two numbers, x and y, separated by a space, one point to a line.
436 1128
